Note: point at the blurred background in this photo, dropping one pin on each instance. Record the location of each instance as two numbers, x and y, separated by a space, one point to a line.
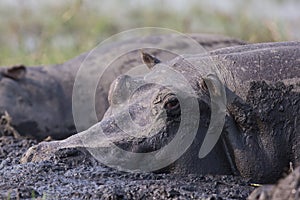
52 31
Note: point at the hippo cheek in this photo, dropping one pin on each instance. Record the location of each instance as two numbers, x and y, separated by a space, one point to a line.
12 95
16 102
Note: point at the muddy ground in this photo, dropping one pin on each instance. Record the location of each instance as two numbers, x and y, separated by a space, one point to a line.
72 174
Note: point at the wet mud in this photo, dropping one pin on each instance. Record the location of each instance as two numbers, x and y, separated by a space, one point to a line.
74 174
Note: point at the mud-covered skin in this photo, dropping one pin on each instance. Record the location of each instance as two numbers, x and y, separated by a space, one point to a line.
260 137
287 188
269 123
39 99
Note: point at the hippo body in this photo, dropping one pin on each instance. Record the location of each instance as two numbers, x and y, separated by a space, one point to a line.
260 138
39 99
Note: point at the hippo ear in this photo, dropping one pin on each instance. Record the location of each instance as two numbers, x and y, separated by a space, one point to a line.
149 60
15 72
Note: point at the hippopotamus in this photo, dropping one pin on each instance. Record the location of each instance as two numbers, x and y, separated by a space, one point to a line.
253 90
39 99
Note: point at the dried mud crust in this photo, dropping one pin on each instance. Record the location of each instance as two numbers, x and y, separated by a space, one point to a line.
11 150
73 174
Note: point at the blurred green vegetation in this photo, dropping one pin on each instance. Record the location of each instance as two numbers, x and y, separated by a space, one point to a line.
54 33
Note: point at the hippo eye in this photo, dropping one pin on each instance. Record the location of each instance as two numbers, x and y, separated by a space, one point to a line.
172 104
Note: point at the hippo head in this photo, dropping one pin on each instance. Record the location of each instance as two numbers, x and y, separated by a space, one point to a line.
11 96
159 121
154 121
29 96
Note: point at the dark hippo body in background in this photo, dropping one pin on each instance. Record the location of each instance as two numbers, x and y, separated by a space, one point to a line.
40 102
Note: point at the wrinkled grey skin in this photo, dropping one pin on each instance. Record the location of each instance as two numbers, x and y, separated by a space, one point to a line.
39 99
261 132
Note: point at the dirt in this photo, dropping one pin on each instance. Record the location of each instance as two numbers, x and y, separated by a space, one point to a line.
73 174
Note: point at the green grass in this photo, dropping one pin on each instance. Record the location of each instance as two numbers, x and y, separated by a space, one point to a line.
63 31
